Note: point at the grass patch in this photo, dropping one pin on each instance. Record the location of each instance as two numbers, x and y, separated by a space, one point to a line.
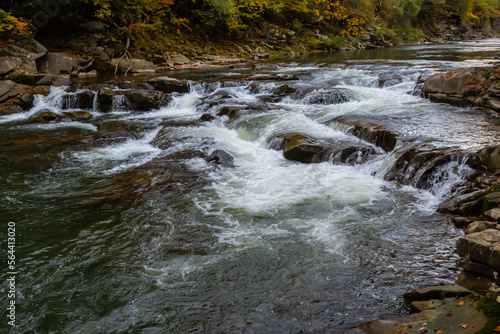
491 310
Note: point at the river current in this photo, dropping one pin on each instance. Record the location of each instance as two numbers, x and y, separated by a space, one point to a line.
120 237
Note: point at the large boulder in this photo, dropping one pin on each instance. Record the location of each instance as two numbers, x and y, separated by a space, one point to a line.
169 85
59 63
451 82
134 65
489 158
136 99
482 247
13 57
298 147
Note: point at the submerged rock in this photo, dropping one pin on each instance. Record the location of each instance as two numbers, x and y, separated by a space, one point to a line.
301 148
221 157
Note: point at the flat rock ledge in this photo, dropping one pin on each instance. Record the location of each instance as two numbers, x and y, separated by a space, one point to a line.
438 309
473 87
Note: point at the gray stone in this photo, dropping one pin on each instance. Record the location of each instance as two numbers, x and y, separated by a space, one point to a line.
134 65
180 59
489 157
436 292
422 305
478 268
58 63
493 214
8 64
482 247
492 103
169 85
478 226
6 86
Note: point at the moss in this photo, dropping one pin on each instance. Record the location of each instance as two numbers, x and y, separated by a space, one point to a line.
491 310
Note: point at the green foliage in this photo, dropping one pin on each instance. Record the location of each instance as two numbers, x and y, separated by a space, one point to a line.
335 42
491 310
13 27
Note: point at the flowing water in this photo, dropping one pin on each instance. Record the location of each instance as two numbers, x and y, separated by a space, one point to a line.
122 237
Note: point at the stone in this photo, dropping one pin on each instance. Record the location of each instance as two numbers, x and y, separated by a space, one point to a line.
260 53
449 83
301 148
489 158
14 91
449 99
422 305
170 85
134 65
89 74
478 226
94 26
79 100
77 115
478 268
59 63
494 214
492 103
179 59
6 86
221 157
207 117
436 292
273 76
482 247
144 100
231 112
8 64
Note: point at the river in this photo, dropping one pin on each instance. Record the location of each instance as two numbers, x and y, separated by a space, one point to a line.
127 237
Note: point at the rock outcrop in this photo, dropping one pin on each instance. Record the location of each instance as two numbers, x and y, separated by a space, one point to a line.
475 87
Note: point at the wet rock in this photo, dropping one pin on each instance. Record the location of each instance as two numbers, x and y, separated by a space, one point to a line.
330 96
420 166
207 117
460 222
478 268
482 247
371 132
221 157
134 65
301 148
444 317
273 76
389 79
231 112
454 100
208 102
144 100
489 158
185 155
59 63
79 100
436 292
474 281
169 85
137 99
459 202
114 131
45 116
478 226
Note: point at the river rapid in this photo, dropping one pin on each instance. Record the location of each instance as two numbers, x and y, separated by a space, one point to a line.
138 236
